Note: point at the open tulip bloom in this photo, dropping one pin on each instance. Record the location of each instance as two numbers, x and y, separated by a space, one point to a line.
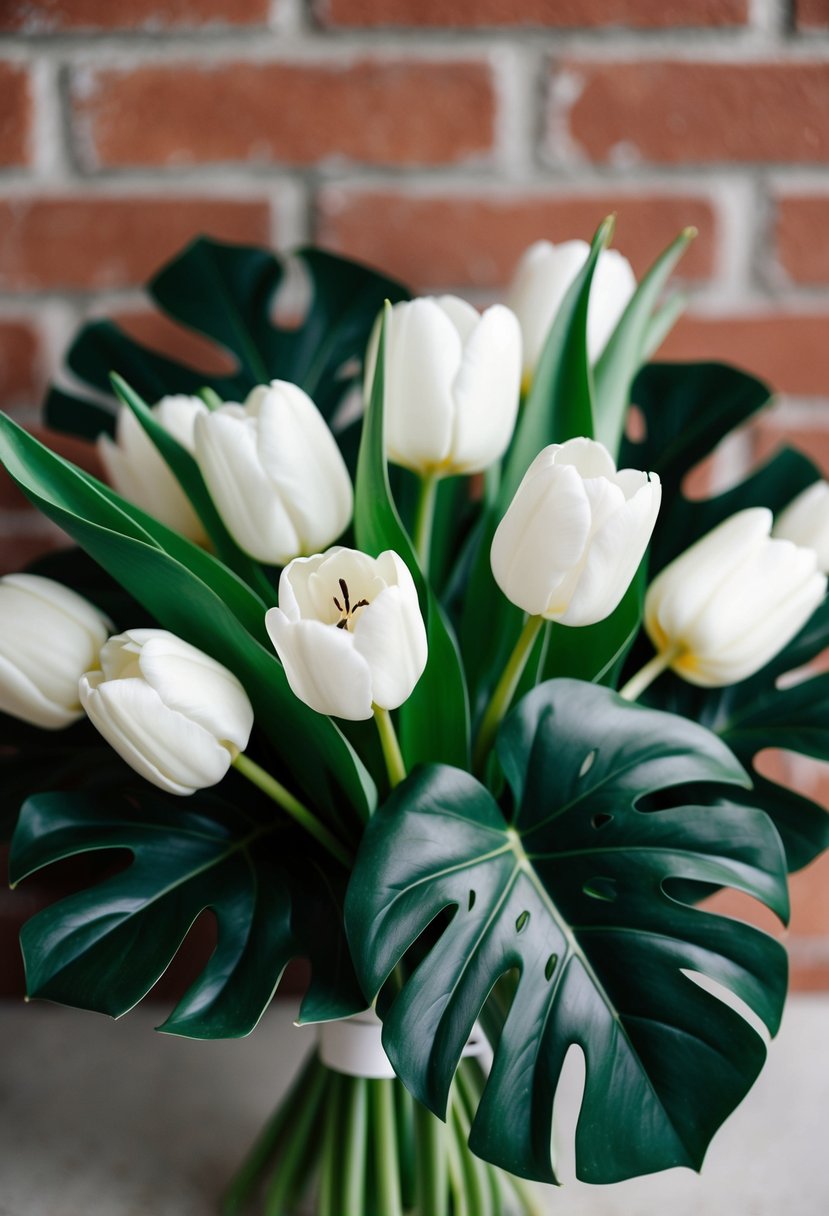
464 698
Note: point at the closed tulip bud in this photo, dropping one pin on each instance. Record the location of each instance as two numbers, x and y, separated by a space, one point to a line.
805 522
49 636
173 713
275 473
723 608
574 534
140 474
542 280
349 631
451 386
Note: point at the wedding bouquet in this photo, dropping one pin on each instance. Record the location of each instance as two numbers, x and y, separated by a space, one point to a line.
402 651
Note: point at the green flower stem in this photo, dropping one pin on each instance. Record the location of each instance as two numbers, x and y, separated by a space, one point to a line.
424 519
469 1095
457 1181
431 1163
646 675
505 690
296 809
392 755
474 1170
355 1134
266 1146
329 1201
404 1113
385 1149
293 1166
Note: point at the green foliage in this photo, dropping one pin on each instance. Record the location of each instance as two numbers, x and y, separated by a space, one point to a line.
574 892
226 293
688 410
185 859
628 345
196 597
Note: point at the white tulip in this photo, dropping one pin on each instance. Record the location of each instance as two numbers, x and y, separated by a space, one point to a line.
805 522
349 631
574 534
173 713
140 474
451 384
49 636
542 280
275 473
723 608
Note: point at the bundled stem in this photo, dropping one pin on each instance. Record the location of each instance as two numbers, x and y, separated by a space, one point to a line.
364 1147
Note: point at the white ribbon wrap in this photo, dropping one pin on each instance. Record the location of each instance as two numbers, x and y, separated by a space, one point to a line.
353 1046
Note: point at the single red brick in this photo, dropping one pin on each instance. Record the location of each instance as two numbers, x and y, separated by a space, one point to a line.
161 334
789 350
684 112
112 242
800 233
48 16
444 240
21 380
16 114
561 14
375 111
811 14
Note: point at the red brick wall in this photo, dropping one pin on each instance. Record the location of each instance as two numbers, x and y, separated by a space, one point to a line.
436 138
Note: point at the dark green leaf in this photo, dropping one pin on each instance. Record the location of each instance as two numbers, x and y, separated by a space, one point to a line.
756 715
226 292
628 346
577 895
185 858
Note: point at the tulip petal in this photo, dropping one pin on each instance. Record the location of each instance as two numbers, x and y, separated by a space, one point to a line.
486 391
805 522
541 280
391 637
754 612
322 666
226 450
50 635
20 697
613 286
613 556
189 681
590 457
422 357
542 536
300 457
134 721
138 472
682 590
463 315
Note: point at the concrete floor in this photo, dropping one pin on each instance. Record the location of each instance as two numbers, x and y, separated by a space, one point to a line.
101 1118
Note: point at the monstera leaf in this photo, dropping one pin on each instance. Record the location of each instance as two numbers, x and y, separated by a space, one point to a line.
581 892
184 860
225 292
688 409
757 714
